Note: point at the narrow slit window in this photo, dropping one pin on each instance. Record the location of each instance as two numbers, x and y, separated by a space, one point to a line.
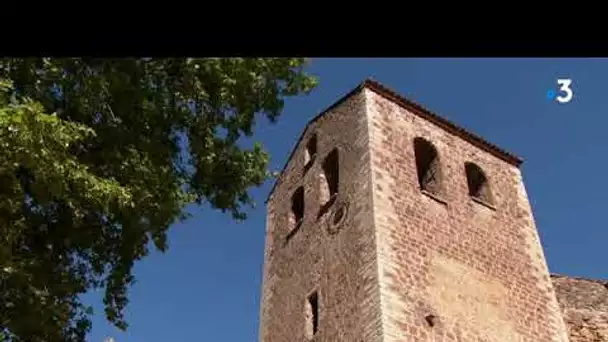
311 151
330 178
427 166
312 315
297 207
477 182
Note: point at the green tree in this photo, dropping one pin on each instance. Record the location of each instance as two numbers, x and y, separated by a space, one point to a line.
99 158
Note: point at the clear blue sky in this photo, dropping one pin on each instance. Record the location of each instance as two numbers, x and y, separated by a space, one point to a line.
207 286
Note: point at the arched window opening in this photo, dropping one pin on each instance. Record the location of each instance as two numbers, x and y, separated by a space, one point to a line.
427 166
330 179
311 151
477 182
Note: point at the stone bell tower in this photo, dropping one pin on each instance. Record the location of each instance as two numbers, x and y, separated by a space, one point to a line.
389 223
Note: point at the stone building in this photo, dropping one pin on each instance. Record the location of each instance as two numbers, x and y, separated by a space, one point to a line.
584 303
390 223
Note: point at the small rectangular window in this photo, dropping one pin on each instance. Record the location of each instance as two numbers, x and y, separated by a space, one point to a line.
312 315
297 207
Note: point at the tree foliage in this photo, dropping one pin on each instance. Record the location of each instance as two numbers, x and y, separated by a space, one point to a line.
101 156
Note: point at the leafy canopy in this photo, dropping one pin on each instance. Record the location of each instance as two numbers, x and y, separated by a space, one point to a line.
101 156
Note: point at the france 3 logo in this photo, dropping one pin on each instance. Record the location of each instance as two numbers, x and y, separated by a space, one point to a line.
564 93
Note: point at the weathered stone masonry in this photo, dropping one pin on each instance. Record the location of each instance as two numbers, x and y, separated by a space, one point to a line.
585 307
336 257
389 223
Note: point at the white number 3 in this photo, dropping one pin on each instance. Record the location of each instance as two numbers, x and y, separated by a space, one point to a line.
565 87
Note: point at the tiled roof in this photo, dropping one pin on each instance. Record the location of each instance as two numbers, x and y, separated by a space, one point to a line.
416 109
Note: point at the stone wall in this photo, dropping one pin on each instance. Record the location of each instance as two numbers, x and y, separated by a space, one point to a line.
379 258
454 268
332 251
584 303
